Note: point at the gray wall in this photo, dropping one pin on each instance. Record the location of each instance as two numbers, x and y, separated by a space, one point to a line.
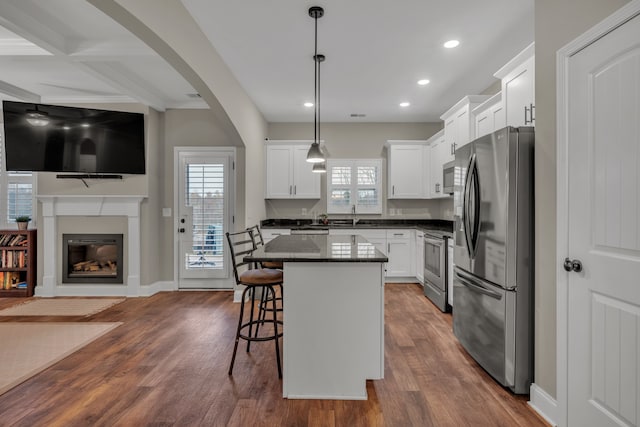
356 141
556 24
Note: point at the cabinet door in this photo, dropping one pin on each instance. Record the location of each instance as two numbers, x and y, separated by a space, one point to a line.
405 172
306 184
499 118
451 134
463 126
484 123
279 173
518 93
399 253
419 245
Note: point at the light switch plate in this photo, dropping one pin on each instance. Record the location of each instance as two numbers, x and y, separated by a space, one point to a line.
166 212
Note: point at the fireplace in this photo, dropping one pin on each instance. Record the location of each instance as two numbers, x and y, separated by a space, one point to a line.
92 258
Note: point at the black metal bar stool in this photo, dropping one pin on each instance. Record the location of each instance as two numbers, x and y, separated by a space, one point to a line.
265 298
254 279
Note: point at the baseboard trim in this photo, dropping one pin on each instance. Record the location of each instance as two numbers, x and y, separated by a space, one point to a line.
154 288
545 405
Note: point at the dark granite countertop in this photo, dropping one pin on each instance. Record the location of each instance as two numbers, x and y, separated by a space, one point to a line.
441 227
318 248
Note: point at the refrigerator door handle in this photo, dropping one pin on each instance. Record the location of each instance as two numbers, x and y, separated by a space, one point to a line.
465 206
473 284
475 182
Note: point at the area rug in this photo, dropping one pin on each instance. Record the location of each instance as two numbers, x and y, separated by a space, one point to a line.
29 348
61 307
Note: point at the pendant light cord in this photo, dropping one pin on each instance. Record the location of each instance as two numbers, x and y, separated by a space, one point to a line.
315 83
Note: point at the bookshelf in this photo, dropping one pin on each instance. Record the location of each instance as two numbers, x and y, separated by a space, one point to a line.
17 263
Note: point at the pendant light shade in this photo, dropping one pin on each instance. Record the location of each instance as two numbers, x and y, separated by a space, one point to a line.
315 154
319 167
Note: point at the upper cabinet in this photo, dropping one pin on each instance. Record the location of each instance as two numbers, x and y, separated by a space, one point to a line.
440 153
288 175
489 116
459 125
518 88
407 167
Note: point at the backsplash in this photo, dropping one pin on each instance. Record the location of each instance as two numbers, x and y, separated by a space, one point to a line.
407 209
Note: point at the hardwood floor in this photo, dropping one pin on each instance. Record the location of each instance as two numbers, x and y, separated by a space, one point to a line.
167 366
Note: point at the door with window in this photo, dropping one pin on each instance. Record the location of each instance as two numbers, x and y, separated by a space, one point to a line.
203 215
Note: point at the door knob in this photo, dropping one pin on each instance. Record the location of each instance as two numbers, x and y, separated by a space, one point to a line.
572 265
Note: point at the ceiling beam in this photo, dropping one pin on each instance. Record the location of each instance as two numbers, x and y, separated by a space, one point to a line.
27 21
19 93
118 77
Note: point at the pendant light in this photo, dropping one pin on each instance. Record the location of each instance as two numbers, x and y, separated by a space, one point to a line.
315 154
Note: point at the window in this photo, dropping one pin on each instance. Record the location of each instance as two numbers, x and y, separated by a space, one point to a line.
17 196
354 183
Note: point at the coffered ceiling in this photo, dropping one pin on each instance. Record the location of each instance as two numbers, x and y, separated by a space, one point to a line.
67 51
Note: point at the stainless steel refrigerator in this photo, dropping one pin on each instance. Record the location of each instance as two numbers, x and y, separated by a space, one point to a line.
493 254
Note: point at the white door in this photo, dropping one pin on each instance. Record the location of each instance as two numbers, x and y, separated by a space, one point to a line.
203 215
603 329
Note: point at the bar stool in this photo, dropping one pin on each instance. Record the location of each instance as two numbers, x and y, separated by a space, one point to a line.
265 298
242 244
259 241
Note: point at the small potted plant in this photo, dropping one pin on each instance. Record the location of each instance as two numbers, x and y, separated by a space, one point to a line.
23 222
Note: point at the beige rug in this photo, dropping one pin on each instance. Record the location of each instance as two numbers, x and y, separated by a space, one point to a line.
29 348
61 307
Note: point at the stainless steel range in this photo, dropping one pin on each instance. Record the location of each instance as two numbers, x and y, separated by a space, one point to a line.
435 269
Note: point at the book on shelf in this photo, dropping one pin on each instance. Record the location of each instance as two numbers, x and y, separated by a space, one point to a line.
10 279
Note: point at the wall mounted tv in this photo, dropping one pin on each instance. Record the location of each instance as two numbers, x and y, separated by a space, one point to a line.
51 138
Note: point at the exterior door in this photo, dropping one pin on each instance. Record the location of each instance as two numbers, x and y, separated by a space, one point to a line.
205 197
603 221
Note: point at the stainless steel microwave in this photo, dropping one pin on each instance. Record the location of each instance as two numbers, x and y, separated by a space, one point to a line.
448 174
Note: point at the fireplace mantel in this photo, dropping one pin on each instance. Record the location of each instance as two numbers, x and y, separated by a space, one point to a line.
96 206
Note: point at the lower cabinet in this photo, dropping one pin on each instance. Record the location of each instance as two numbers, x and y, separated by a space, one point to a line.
399 253
268 234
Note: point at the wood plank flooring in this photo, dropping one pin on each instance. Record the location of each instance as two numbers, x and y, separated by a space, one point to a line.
167 366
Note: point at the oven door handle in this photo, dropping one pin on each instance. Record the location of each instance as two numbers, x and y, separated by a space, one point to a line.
476 286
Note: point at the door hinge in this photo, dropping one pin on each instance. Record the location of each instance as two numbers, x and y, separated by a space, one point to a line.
233 165
233 219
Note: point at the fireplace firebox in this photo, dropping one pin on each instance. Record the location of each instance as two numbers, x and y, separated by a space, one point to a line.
92 258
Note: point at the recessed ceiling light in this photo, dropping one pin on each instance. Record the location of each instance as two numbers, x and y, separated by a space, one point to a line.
404 104
451 44
423 82
85 125
66 127
308 104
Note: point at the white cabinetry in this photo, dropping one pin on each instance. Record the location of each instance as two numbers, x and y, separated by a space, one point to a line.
440 153
399 253
489 116
288 175
268 234
459 126
518 88
406 169
419 245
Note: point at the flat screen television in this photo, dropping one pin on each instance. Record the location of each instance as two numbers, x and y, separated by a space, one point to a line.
51 138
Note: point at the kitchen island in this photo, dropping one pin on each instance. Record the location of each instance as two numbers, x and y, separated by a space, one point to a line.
333 314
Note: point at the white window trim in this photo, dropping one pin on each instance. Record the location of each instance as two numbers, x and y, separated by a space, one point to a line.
354 187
